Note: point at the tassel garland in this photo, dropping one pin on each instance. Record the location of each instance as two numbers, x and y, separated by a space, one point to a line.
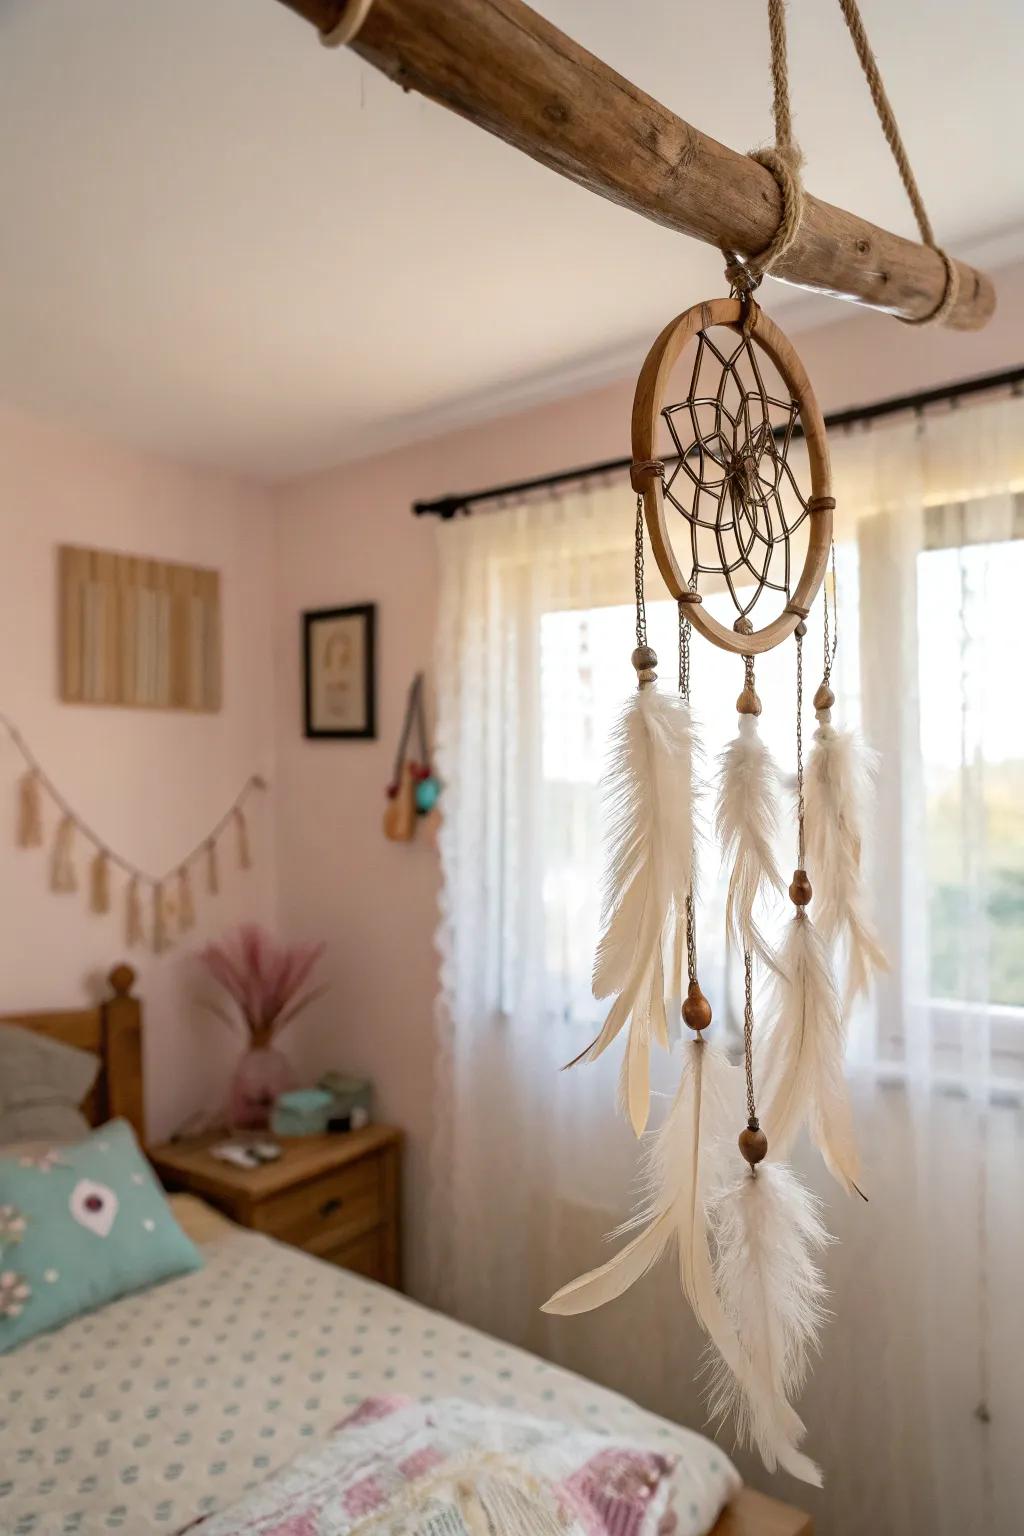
186 903
649 852
29 833
840 774
799 1058
161 927
99 882
242 830
746 818
134 931
767 1232
63 875
30 811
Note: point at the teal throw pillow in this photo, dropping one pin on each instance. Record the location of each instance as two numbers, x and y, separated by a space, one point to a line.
80 1226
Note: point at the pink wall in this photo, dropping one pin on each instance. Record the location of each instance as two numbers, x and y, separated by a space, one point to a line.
347 536
151 782
154 782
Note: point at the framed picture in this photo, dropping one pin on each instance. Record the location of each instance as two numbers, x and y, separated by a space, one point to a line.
340 672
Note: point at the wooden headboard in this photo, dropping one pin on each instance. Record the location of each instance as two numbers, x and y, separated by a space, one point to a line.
113 1032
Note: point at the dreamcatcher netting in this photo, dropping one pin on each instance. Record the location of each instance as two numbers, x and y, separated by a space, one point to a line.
733 518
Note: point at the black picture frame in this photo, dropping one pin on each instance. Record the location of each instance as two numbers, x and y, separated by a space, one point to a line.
366 615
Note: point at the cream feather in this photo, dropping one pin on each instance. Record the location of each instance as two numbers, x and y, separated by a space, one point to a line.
798 1057
837 793
683 1165
767 1230
746 817
649 840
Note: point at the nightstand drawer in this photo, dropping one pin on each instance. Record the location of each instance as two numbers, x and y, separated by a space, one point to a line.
364 1256
325 1213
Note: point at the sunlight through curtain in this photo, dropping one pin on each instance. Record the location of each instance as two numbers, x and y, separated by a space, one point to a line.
916 1410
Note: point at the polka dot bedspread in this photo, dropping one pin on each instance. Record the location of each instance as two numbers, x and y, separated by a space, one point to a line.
161 1408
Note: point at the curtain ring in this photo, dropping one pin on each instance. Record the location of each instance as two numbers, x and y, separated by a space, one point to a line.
347 28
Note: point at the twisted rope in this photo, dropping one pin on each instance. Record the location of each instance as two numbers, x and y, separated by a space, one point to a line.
784 160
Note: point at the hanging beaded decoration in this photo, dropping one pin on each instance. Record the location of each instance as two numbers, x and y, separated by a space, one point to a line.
734 519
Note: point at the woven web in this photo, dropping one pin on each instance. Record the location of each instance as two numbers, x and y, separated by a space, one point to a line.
732 482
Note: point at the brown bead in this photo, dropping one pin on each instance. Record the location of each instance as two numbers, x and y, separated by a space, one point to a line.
800 891
801 630
696 1008
824 698
644 658
748 702
753 1143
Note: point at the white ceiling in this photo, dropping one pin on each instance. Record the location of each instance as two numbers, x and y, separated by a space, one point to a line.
220 240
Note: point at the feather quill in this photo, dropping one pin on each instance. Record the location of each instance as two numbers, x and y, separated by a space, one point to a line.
840 774
799 1056
683 1165
746 816
648 801
767 1230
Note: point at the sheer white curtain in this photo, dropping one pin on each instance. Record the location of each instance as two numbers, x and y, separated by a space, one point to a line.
916 1410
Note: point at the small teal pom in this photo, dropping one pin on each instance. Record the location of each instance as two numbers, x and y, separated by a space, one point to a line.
427 792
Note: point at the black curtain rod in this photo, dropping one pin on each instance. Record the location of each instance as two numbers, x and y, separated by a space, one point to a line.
447 507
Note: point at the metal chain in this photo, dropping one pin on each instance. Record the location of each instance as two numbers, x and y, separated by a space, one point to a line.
684 653
831 648
748 1032
800 749
638 574
684 690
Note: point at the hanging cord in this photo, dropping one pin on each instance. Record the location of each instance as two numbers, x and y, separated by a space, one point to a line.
638 574
800 747
685 630
413 717
831 639
748 1036
784 159
894 139
252 784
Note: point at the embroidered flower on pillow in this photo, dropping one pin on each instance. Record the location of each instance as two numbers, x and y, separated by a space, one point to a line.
44 1161
14 1292
12 1225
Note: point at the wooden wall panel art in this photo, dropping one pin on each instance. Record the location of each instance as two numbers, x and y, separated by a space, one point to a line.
138 632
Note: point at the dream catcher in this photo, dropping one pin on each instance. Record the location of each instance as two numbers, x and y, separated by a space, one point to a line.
733 518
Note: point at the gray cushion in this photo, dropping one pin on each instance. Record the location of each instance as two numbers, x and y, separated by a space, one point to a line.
42 1083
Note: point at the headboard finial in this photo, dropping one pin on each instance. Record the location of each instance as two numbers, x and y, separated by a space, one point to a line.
122 979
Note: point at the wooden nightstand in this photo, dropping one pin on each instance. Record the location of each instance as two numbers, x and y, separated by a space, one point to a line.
335 1196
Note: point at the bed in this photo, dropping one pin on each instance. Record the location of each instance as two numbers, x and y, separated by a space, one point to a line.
167 1405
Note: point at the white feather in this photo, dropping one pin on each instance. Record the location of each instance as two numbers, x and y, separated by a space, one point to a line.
649 838
837 793
746 818
767 1230
684 1164
798 1056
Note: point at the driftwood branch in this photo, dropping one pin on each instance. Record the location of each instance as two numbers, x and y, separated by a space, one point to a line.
499 64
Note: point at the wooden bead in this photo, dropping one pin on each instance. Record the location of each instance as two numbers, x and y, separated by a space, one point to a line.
824 698
748 702
644 658
800 630
800 891
696 1008
753 1143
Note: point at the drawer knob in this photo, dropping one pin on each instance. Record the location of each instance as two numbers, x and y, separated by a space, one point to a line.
330 1206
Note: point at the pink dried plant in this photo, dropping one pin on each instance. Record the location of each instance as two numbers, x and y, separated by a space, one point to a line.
263 979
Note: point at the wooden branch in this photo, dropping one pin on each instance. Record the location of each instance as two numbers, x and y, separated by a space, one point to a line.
499 64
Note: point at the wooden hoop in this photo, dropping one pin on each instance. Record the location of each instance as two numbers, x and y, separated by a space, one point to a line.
647 405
